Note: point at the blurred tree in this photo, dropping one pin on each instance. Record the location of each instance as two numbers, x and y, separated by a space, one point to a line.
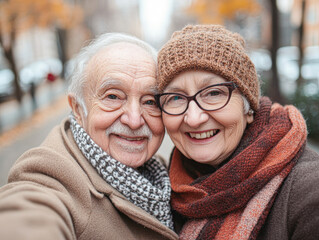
300 80
217 11
20 15
273 90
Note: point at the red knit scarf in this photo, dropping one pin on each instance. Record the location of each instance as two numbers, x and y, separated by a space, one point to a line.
233 202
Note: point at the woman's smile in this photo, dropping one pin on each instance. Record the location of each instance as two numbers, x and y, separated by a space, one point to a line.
206 136
203 134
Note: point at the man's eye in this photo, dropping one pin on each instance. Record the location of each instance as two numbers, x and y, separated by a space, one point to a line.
112 96
150 102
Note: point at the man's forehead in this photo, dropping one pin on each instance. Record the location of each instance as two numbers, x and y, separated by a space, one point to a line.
122 64
110 83
122 53
121 48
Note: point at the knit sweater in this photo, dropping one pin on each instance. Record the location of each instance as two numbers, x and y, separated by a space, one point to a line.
295 212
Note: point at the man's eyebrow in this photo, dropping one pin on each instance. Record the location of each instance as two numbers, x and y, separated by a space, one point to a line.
153 90
109 82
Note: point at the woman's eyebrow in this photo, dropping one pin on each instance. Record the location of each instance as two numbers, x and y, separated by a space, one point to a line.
174 89
208 80
203 83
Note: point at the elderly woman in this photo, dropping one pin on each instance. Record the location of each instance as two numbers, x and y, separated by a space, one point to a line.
241 168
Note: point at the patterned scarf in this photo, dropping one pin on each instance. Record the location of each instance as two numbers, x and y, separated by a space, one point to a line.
148 187
233 201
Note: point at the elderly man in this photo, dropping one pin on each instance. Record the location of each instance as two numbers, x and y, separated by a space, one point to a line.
95 177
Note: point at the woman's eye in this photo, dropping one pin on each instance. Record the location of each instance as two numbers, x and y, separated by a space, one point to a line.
214 93
174 98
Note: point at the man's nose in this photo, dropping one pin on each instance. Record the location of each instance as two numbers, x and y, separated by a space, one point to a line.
195 116
132 115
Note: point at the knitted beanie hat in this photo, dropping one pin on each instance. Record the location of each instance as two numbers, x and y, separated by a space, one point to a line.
211 48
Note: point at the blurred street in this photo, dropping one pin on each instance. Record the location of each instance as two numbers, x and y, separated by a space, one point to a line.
22 128
282 39
18 135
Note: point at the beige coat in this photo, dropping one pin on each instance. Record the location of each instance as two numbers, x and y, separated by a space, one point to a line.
54 193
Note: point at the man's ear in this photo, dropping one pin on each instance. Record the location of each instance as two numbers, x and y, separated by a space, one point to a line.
76 108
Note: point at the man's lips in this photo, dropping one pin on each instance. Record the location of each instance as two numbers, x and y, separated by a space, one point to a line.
203 135
128 138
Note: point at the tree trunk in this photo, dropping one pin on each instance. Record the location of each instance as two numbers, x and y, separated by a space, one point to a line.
9 56
274 89
61 43
300 80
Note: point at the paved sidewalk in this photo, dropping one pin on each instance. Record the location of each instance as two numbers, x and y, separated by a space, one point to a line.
22 128
12 113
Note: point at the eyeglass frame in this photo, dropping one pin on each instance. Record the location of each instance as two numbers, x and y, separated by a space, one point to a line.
230 85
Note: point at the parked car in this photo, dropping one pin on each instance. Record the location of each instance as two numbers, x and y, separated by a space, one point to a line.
262 60
288 68
37 72
6 83
34 73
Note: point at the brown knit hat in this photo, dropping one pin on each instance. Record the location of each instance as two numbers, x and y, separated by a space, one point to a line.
211 48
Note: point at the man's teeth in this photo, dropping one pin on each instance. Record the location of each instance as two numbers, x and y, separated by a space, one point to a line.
203 135
133 139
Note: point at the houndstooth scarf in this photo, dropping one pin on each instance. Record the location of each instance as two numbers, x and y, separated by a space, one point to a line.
148 187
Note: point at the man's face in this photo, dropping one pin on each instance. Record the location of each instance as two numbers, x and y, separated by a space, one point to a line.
122 115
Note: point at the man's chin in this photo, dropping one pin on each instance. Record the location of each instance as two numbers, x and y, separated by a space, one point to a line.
130 158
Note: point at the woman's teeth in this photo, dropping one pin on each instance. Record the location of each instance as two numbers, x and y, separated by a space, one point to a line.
203 135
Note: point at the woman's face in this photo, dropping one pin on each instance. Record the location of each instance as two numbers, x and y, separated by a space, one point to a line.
189 131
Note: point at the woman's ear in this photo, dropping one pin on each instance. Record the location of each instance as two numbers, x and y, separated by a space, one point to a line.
250 116
76 108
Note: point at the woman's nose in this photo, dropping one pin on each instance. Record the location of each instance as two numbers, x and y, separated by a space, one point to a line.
194 115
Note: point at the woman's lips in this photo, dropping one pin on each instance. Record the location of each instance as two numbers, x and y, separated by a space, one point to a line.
203 135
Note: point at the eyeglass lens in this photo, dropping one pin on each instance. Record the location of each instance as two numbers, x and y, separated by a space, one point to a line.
211 98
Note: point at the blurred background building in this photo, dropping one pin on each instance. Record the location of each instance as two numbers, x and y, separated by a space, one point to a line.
39 38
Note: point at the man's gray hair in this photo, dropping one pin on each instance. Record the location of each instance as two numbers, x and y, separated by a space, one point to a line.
79 76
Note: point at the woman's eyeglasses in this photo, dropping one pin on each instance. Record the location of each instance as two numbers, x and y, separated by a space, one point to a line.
211 98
